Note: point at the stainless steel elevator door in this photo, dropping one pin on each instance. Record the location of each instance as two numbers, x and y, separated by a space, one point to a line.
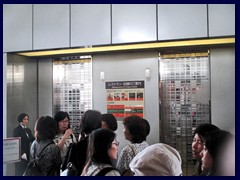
72 87
185 101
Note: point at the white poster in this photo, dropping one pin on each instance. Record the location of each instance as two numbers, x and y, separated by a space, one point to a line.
11 150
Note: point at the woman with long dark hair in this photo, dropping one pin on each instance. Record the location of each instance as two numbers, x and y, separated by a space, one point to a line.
102 149
197 144
212 152
90 121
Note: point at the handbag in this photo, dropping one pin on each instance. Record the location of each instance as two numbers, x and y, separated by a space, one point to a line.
33 168
68 165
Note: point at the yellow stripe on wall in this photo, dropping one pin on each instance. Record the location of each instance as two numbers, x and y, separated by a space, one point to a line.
113 48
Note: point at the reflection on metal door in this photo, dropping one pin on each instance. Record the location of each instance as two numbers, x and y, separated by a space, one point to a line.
72 84
185 101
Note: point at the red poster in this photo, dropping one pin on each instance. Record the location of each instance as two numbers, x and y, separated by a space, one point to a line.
125 98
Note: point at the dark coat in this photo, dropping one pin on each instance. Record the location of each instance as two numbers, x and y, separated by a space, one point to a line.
77 155
50 161
25 148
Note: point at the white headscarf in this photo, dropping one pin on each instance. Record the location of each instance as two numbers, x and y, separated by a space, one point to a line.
157 160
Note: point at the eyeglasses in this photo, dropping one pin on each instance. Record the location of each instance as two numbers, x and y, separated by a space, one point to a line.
116 143
64 121
197 141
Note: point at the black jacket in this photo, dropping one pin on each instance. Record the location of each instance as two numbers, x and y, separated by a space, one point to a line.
25 140
77 155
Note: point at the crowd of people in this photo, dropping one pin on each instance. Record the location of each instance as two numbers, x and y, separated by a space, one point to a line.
95 151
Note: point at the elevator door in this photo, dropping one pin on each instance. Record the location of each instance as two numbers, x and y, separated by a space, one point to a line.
72 87
185 101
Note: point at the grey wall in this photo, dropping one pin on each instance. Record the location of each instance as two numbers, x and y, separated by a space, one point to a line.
45 87
50 26
223 87
181 21
221 19
17 27
92 21
128 67
134 23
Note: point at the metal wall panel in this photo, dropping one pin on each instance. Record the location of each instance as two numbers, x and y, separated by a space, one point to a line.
90 24
21 94
221 19
180 21
133 23
21 90
17 27
4 104
51 26
185 102
223 87
45 87
4 95
72 85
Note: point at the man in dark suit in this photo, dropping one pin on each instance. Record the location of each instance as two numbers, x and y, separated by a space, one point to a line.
26 139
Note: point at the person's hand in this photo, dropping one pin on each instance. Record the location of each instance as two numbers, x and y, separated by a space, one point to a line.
24 156
68 132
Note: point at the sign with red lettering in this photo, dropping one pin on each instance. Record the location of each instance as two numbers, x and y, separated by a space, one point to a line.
125 98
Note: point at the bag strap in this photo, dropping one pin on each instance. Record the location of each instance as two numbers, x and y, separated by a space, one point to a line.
39 155
104 171
134 154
